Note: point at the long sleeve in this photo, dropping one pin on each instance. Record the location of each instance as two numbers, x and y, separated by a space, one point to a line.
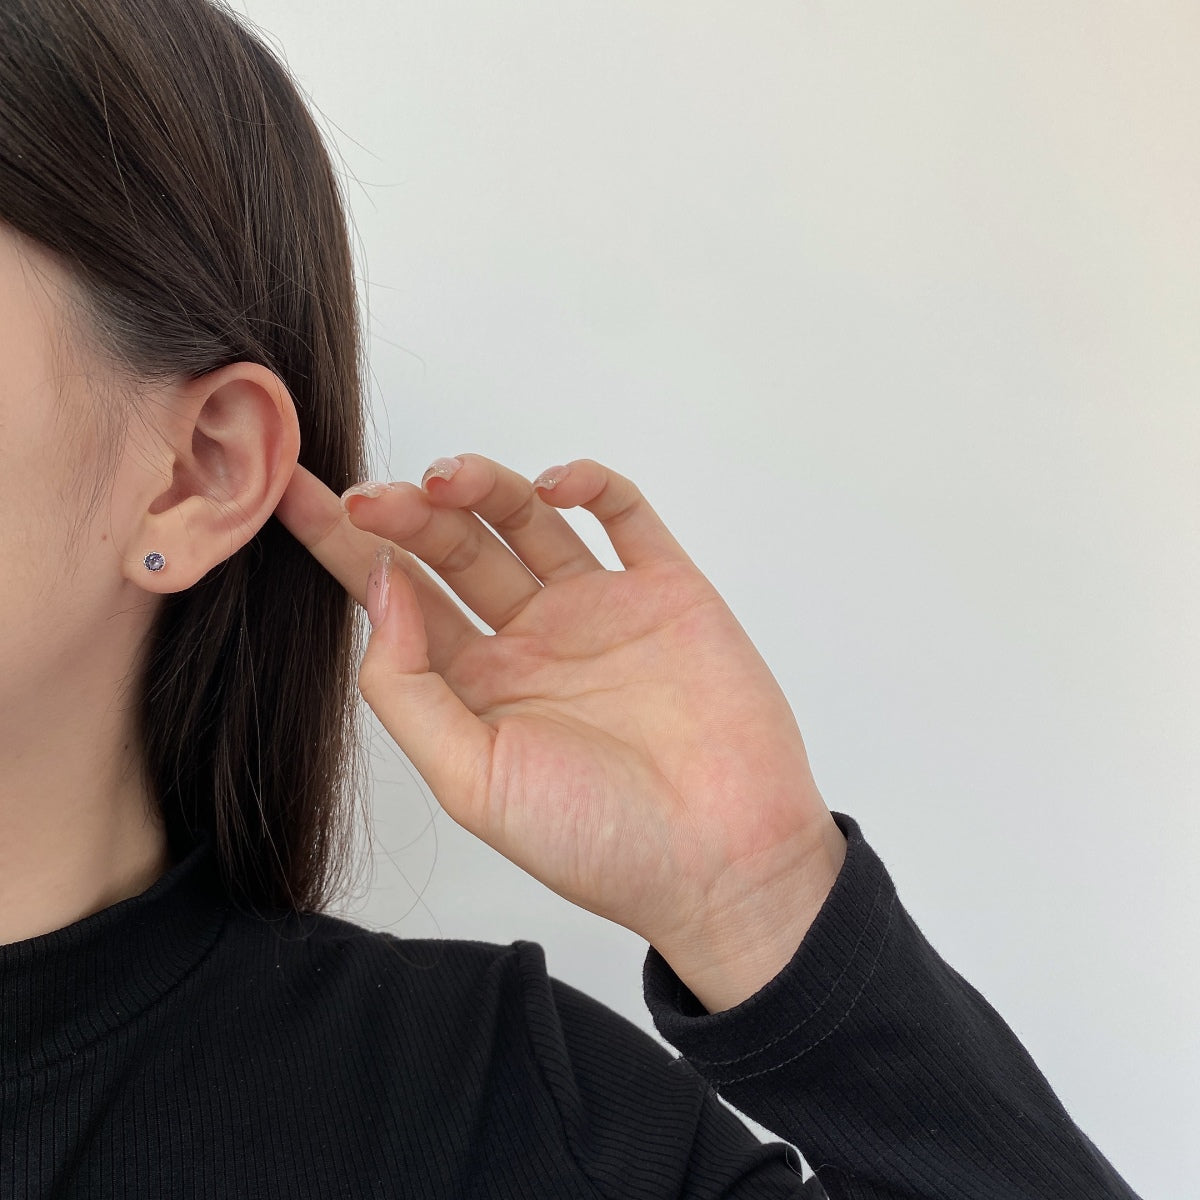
892 1075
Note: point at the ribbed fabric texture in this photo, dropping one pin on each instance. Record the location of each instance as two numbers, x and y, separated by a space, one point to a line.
171 1046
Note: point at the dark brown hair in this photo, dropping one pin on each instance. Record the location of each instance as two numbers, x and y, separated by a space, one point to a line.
165 157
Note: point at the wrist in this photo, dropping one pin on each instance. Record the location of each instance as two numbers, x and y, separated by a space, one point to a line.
753 938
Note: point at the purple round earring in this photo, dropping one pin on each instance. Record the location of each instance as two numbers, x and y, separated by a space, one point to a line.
154 561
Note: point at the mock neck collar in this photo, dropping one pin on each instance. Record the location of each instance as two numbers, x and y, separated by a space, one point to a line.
64 990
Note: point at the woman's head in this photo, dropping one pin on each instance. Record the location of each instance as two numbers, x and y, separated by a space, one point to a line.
178 326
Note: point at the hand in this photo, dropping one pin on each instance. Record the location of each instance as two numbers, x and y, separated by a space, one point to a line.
618 737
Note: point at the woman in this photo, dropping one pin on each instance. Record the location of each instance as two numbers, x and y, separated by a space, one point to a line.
179 1015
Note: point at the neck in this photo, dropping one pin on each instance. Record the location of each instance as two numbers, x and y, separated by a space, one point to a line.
78 830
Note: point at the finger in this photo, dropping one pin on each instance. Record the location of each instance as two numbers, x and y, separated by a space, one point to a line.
540 536
315 517
636 531
463 551
446 742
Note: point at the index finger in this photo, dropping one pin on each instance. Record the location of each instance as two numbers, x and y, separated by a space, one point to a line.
314 516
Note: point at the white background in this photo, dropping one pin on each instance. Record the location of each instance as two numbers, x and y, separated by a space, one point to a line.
893 313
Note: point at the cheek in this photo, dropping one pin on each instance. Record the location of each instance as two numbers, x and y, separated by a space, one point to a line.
36 513
32 631
51 550
42 488
61 607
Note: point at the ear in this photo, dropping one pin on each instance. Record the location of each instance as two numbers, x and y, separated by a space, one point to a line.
229 444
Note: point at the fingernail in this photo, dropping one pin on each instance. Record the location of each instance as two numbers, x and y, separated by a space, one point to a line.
441 468
551 477
371 489
379 585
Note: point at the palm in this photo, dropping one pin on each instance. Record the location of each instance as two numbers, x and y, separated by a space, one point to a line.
632 714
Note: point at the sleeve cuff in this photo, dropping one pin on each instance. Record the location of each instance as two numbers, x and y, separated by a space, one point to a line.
807 1000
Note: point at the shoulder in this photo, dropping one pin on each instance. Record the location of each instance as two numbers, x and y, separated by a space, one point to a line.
338 959
455 989
435 1000
448 991
541 1064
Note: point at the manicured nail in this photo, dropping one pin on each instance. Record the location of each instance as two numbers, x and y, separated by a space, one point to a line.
441 468
371 489
379 585
551 477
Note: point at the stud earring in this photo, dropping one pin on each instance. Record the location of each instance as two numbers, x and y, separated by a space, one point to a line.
154 561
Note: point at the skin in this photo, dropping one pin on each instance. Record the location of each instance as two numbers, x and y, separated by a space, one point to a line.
642 761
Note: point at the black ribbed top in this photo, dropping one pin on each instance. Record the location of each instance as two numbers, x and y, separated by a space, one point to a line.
66 990
174 1046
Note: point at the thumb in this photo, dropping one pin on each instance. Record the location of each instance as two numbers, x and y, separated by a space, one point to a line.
446 742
